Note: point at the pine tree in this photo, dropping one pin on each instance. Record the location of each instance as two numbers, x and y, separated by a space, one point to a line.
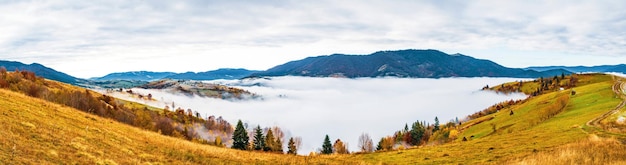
436 128
269 141
259 141
417 132
327 148
240 137
292 147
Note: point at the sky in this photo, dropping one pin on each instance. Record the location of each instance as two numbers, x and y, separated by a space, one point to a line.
96 37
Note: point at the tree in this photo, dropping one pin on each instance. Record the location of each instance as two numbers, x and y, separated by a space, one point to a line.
279 145
218 141
436 128
292 147
240 137
365 143
269 141
259 141
417 132
385 143
340 148
327 148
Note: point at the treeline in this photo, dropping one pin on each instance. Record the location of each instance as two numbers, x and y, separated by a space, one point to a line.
177 123
537 86
263 140
553 109
420 133
495 108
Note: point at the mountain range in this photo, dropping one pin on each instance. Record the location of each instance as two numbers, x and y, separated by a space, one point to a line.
621 68
400 63
224 73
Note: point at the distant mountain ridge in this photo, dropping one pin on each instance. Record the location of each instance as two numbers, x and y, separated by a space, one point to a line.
401 63
42 71
137 75
225 73
621 68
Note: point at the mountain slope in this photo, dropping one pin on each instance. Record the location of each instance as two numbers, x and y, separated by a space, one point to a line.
39 132
401 63
621 68
139 75
42 71
214 74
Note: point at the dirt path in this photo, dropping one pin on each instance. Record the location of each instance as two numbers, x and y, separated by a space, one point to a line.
618 88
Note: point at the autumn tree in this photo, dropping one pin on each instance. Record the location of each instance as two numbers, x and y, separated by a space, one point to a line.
279 145
164 125
259 141
327 148
240 137
340 148
270 143
291 145
385 144
365 143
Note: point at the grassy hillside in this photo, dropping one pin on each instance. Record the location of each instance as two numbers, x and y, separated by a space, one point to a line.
550 128
39 132
504 138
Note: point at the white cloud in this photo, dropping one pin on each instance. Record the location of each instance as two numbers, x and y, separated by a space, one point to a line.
345 108
204 35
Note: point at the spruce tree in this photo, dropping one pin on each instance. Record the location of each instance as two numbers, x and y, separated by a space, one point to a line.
292 147
327 148
436 128
269 141
240 137
259 141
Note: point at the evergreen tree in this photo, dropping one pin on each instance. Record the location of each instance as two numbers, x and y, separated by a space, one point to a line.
417 132
279 145
240 137
292 147
436 128
259 141
327 148
269 141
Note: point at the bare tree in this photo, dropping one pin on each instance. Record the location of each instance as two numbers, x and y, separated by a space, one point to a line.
365 143
298 142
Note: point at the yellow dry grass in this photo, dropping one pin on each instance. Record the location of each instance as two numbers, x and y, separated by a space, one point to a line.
39 132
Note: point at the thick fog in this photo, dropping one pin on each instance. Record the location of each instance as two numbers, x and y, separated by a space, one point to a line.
343 108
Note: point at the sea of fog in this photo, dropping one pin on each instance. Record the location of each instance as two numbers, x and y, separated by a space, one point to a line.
342 108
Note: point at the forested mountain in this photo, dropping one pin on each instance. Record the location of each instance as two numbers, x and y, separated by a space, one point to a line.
401 63
42 71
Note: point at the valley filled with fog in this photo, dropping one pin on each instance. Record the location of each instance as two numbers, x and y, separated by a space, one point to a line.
342 108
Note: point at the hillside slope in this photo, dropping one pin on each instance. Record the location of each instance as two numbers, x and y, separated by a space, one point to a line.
401 63
529 134
40 132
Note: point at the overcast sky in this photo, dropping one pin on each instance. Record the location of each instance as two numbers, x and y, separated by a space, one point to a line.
93 38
